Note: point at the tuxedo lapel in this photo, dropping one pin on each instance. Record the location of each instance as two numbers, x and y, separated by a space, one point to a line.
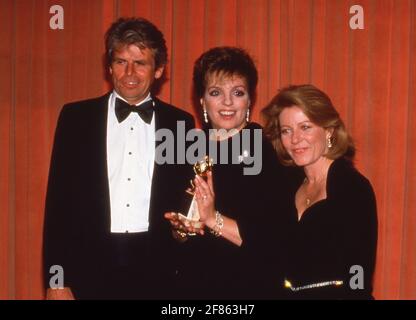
160 122
98 145
169 181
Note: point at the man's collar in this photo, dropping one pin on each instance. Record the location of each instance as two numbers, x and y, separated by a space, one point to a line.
116 95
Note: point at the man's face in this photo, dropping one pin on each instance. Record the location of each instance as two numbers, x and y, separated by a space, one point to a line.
133 72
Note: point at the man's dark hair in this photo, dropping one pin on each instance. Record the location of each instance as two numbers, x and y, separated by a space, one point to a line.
137 31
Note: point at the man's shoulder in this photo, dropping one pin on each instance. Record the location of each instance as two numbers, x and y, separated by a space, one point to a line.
174 112
82 105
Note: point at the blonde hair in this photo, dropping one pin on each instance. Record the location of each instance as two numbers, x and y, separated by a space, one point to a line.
317 106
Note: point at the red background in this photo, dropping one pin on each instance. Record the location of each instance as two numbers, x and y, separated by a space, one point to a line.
370 75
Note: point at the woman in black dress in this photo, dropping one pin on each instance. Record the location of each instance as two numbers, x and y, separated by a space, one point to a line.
333 244
239 205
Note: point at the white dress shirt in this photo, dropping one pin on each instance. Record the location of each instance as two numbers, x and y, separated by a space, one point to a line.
130 162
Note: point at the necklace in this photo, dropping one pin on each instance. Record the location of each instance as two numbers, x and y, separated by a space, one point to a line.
317 187
309 199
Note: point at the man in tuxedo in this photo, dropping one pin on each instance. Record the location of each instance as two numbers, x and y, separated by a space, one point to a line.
107 191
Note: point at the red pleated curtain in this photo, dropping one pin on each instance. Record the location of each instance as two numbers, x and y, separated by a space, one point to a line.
369 73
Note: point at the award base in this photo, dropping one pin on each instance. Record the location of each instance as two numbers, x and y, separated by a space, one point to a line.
192 218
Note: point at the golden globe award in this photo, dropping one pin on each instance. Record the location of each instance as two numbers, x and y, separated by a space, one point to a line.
201 168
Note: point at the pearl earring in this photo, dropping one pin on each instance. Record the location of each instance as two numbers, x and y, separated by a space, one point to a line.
329 143
248 115
205 116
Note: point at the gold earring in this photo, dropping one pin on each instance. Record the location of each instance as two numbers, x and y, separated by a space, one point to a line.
205 116
329 142
248 115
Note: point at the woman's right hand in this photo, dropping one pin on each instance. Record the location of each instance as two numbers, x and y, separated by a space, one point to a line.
182 226
205 198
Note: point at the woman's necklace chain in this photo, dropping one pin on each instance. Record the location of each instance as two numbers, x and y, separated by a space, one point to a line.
310 198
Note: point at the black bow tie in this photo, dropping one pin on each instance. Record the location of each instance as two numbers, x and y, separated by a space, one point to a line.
123 109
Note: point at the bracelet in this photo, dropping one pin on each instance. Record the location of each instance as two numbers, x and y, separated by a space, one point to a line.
219 224
181 234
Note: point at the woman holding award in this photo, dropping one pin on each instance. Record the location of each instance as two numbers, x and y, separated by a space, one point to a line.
242 203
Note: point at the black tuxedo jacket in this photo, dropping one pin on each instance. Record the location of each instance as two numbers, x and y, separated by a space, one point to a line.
77 215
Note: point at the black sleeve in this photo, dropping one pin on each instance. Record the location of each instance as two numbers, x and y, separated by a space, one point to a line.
267 209
57 222
265 227
358 235
190 122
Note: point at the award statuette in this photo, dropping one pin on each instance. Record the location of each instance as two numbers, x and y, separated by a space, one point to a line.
201 168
